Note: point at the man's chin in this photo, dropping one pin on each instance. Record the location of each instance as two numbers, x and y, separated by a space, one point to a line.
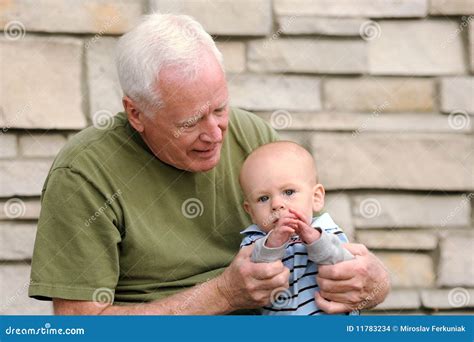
203 165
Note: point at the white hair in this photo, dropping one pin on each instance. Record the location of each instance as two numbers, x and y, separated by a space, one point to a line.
160 40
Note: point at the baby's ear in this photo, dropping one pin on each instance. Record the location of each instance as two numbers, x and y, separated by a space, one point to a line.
318 197
247 208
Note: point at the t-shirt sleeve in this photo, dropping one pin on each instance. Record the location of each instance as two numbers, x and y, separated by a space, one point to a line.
266 133
251 131
76 253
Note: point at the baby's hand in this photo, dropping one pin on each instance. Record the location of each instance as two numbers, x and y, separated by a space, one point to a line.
307 233
284 229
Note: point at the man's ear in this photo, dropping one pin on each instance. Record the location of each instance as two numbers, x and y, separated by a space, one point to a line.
135 116
318 197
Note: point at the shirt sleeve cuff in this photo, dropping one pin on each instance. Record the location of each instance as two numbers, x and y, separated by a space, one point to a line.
327 250
261 253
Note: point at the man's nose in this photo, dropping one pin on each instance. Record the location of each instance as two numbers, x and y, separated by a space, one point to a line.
211 131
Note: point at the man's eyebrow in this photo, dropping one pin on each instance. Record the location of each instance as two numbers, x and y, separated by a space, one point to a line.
198 115
191 119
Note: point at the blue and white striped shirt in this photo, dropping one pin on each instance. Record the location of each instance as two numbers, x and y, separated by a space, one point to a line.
298 299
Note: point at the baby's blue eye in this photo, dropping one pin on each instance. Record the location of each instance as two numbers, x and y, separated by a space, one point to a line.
263 199
289 192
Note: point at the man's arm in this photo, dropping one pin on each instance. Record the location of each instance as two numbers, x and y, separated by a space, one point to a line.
356 284
243 284
202 299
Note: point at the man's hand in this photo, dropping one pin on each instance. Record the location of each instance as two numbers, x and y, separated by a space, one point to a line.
245 284
357 284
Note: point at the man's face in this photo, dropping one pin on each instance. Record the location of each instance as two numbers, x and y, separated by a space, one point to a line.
188 131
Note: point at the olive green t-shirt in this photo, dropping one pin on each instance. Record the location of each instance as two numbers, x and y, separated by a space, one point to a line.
116 221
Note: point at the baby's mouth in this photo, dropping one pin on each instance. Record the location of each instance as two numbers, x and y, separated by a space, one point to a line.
279 215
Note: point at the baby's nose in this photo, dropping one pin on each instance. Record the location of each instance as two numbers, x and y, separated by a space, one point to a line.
278 205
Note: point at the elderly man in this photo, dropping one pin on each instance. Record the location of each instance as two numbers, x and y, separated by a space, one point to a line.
143 216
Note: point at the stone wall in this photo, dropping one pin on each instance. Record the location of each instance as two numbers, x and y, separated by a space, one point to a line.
381 92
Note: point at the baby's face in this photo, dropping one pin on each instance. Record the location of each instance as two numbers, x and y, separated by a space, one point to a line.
275 183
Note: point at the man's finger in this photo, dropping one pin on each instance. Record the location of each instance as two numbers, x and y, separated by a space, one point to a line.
342 271
331 307
337 286
351 297
246 252
279 281
265 271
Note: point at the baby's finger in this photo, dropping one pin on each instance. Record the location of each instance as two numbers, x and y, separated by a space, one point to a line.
287 221
284 229
302 226
297 214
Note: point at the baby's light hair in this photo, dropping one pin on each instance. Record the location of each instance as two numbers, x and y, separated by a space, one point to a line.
297 148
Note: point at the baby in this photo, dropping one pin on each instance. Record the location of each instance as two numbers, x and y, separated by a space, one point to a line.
281 191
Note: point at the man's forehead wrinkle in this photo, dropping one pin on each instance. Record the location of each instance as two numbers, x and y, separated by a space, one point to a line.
201 110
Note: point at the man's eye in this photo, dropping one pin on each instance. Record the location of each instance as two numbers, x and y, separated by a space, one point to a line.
263 199
189 124
289 192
